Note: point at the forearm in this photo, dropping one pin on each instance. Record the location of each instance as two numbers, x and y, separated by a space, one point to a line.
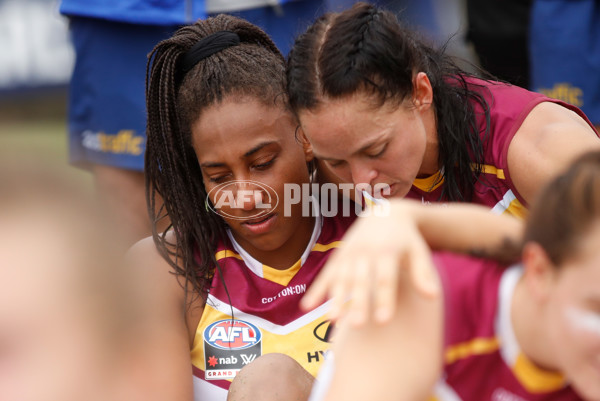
464 228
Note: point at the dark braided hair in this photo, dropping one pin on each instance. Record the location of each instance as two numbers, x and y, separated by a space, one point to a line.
175 100
367 49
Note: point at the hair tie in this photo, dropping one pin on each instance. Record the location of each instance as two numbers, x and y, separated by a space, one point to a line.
208 46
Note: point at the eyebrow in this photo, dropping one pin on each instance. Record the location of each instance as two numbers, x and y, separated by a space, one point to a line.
247 154
258 147
365 147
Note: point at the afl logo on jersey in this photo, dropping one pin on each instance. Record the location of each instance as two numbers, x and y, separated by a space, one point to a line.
232 334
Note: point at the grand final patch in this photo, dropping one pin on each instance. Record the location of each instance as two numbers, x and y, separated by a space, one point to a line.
229 345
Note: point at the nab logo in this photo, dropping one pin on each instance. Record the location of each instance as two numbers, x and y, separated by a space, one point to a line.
324 331
232 334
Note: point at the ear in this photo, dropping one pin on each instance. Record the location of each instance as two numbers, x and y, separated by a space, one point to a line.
422 91
307 147
539 271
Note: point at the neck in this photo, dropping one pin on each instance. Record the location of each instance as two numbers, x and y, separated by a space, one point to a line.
430 163
529 319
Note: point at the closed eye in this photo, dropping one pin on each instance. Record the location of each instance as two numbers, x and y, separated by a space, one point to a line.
218 179
265 165
337 163
378 152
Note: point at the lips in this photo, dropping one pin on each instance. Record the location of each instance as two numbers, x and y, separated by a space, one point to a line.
392 190
261 225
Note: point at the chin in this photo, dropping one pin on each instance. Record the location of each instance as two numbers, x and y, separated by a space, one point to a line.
269 243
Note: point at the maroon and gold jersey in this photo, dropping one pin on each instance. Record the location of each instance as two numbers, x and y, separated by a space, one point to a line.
257 312
509 106
483 360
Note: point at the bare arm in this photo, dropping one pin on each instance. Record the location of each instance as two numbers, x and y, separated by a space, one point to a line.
379 249
467 228
160 362
549 139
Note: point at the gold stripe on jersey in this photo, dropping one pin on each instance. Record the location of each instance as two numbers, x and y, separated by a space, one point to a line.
227 254
326 247
509 204
477 346
489 169
516 208
279 276
429 184
534 379
283 277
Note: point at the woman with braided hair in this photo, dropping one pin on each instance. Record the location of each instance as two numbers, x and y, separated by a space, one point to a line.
222 287
380 107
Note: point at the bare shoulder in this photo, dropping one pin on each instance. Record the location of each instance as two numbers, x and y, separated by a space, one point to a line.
160 290
150 267
161 349
548 114
549 139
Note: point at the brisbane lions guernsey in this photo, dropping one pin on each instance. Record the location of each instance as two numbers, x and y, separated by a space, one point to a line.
258 312
509 106
483 360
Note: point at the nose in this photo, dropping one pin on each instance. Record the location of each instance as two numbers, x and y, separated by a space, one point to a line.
362 173
247 196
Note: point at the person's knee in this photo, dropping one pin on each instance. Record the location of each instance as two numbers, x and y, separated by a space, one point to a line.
271 377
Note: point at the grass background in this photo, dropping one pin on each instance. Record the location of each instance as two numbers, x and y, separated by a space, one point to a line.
36 123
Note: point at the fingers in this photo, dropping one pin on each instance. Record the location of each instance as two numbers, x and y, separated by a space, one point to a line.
367 270
361 292
388 272
423 272
320 288
371 284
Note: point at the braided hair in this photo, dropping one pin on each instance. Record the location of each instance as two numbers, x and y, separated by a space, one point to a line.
365 49
175 100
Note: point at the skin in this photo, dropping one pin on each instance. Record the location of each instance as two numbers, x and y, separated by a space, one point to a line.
361 143
539 317
237 139
62 312
378 249
222 144
123 195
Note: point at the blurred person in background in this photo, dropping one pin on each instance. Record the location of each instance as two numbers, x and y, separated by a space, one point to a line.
65 318
565 52
107 118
